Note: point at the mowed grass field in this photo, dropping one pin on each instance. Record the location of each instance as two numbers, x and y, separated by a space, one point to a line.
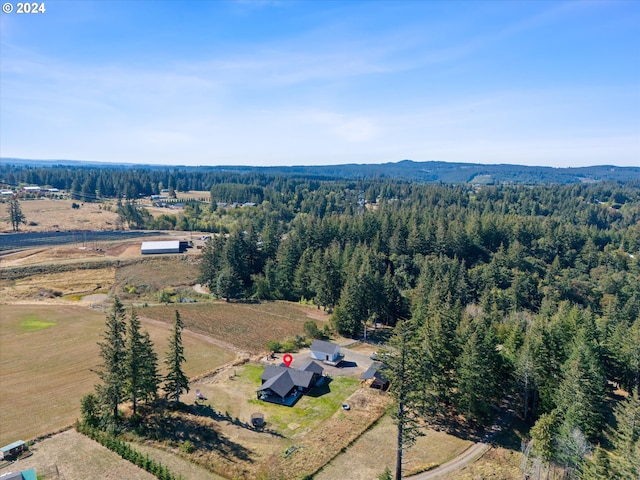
46 356
247 326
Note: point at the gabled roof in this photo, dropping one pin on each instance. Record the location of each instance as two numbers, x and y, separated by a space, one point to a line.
299 378
327 348
373 372
280 384
271 371
312 367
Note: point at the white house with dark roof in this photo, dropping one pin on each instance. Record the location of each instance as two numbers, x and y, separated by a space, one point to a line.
326 352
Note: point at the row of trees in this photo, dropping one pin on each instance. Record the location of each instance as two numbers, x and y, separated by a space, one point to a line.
130 371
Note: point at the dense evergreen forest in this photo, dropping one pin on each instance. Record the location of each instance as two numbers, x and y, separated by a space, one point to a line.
529 294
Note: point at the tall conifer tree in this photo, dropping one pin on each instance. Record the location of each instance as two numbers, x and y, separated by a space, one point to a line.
113 352
175 381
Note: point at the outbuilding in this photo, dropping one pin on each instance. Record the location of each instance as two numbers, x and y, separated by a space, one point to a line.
13 450
375 378
170 246
326 352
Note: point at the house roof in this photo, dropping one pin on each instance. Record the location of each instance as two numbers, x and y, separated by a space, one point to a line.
283 379
312 367
11 446
166 244
281 384
325 347
24 475
373 372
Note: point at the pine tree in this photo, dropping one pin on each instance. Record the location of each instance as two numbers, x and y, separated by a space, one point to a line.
15 213
476 373
113 352
580 397
150 378
625 437
134 360
402 370
175 381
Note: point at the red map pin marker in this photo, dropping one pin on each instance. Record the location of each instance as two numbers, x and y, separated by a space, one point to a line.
287 359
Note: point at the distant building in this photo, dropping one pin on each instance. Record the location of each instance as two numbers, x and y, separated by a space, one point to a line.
170 246
6 192
31 189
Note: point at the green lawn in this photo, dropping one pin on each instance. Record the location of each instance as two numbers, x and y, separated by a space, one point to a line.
33 323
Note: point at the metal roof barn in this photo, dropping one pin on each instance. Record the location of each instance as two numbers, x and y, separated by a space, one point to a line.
171 246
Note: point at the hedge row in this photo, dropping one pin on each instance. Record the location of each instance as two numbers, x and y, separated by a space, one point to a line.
127 452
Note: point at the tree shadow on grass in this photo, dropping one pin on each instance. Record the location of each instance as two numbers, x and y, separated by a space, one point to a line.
203 410
203 435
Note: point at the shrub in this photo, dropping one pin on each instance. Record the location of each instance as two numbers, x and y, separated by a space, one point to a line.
274 346
188 447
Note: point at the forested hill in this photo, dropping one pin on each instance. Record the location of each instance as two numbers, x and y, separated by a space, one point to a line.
431 171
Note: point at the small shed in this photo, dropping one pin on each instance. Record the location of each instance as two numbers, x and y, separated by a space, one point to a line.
170 246
377 380
326 352
13 449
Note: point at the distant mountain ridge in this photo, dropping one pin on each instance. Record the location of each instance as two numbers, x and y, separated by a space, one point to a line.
429 171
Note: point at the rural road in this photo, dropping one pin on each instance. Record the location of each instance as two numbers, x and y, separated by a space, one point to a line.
471 454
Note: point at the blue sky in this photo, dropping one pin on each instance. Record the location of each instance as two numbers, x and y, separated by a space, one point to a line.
257 82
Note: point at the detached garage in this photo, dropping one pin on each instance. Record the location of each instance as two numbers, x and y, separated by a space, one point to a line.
149 248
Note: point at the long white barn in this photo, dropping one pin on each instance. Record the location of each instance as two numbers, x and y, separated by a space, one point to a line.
169 246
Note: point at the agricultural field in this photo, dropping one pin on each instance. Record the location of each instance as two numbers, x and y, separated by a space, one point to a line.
47 353
247 326
48 215
144 279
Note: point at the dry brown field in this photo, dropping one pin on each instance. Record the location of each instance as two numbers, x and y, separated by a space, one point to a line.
248 326
51 215
357 462
74 456
47 353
